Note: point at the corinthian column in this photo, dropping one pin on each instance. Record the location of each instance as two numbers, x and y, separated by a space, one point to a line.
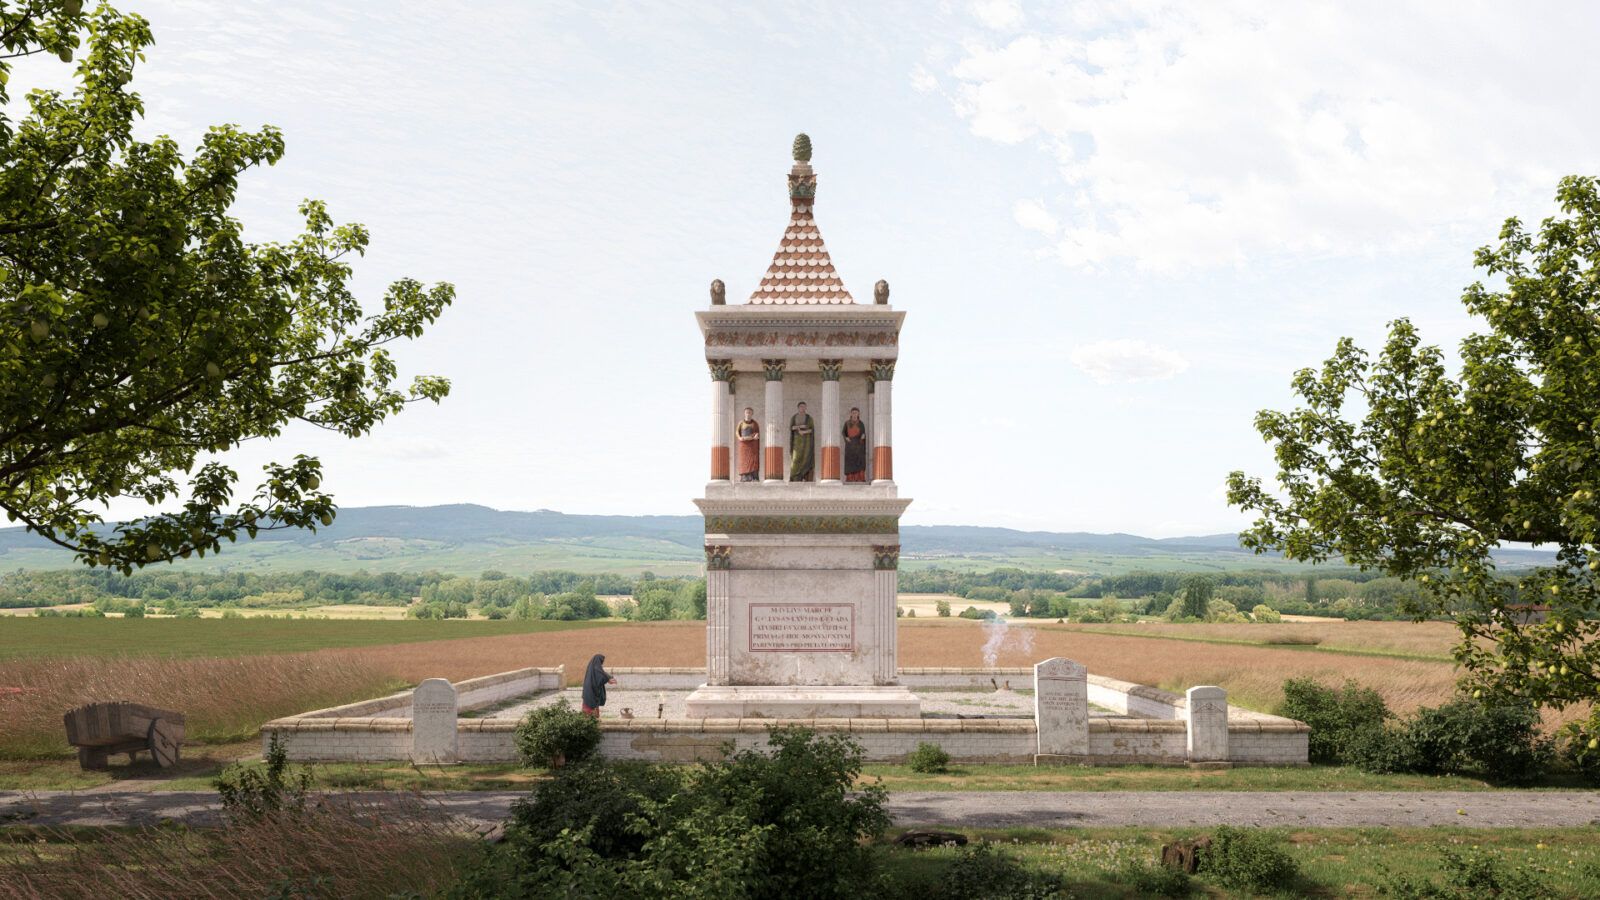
777 427
721 391
882 413
831 369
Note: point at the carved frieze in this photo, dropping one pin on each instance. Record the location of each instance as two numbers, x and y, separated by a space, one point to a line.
802 524
815 338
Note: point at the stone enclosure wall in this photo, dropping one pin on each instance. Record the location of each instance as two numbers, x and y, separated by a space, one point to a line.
1162 728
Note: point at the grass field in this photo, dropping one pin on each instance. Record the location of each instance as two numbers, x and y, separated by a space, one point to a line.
1333 862
358 854
157 636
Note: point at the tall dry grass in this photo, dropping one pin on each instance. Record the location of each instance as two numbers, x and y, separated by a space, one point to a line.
1419 638
1253 676
228 699
636 644
336 851
222 699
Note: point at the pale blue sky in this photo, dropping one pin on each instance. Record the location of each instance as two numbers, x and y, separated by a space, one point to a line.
1117 229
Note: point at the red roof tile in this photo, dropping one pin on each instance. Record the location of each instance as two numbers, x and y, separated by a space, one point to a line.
801 271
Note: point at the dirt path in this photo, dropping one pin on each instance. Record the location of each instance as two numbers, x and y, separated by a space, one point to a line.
956 809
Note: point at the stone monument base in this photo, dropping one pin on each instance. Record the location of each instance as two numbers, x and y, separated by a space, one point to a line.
802 701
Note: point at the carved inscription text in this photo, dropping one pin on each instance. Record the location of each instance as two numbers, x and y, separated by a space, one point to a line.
802 627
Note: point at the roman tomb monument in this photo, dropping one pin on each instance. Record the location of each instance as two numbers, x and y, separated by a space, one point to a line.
802 514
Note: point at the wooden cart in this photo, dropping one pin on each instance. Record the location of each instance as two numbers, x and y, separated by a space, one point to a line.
101 729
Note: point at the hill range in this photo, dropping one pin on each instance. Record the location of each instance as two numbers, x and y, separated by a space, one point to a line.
467 539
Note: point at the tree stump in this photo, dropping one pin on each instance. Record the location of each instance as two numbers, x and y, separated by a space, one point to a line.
1185 855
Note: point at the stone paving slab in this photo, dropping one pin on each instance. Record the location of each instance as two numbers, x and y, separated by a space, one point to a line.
669 704
953 809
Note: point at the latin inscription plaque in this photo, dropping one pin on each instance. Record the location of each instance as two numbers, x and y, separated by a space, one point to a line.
802 627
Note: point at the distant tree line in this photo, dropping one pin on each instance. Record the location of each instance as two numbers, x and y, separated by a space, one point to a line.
1343 593
497 595
1221 597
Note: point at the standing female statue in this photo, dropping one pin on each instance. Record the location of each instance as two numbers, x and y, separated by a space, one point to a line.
749 435
855 447
802 445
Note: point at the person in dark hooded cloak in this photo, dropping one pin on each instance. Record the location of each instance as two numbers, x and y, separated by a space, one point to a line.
595 679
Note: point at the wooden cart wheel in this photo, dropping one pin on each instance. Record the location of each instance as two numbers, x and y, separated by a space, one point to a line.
164 743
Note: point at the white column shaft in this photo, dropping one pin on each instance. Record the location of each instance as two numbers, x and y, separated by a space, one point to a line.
830 427
883 411
777 430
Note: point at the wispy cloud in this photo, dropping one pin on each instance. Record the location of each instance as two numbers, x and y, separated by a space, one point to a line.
1032 215
1126 361
1194 135
998 14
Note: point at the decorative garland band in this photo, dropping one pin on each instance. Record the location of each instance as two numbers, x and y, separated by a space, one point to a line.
802 524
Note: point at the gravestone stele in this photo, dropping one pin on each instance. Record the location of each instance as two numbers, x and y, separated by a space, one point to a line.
1208 724
433 722
1061 707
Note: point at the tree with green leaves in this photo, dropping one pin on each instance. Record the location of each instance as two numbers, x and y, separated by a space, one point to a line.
1394 463
140 332
1197 593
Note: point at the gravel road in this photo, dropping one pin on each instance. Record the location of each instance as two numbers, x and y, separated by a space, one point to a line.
953 809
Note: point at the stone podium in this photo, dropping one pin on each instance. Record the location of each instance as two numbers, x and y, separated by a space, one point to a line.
802 521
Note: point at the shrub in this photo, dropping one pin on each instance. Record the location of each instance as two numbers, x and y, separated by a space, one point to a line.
942 607
1335 717
555 735
1146 880
972 612
1469 876
599 798
1249 859
1264 613
1381 750
928 758
250 792
1497 742
792 823
1223 611
981 872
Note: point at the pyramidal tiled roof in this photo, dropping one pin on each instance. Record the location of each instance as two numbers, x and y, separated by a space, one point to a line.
801 272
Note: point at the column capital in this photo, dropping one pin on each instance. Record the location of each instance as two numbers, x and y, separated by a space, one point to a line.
721 369
831 369
882 370
719 557
885 556
774 368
